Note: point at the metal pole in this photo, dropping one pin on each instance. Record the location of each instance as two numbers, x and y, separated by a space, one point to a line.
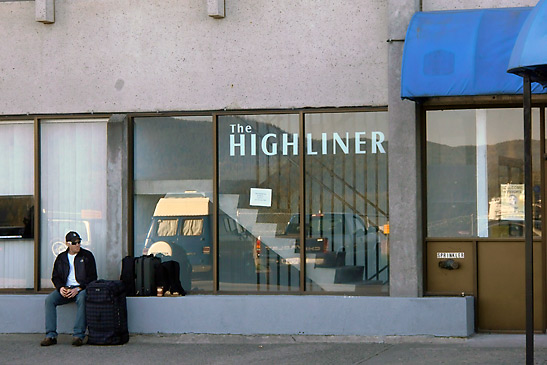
302 202
528 222
216 245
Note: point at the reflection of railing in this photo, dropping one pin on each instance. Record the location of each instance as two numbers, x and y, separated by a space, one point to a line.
312 176
379 270
315 175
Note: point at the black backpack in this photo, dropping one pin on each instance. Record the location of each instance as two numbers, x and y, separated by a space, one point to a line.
168 277
128 275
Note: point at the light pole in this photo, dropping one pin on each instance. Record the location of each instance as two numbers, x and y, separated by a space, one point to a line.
529 60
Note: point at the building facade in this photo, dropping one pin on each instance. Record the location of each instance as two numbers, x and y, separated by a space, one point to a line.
286 121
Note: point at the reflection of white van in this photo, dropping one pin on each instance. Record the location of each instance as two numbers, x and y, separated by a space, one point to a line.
182 229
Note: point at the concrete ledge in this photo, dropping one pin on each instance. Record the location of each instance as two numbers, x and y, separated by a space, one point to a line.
255 314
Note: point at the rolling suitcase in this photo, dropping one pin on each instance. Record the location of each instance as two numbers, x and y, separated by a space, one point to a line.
106 313
145 278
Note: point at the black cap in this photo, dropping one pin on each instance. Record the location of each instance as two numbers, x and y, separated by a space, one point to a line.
72 237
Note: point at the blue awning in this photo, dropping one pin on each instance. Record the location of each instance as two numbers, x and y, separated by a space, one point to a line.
461 53
530 51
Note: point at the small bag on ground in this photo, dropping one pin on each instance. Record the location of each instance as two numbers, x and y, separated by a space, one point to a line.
169 277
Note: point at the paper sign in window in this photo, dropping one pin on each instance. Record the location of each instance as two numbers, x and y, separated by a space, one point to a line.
261 197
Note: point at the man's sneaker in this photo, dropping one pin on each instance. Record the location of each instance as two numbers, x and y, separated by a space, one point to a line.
48 341
77 341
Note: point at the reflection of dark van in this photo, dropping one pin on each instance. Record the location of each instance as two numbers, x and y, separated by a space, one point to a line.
181 229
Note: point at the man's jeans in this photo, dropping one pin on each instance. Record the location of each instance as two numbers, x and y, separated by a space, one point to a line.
52 301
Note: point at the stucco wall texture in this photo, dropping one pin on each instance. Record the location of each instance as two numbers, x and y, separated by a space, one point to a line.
433 5
144 55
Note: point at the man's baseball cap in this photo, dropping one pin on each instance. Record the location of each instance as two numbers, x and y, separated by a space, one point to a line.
72 237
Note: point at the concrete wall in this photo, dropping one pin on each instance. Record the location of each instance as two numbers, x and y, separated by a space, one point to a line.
433 5
118 194
250 314
405 208
145 55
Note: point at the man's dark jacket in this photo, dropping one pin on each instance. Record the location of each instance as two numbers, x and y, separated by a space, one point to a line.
84 264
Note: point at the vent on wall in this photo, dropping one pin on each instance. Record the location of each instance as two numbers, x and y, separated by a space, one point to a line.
215 8
45 11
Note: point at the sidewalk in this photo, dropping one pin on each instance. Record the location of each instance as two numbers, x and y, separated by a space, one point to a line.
286 349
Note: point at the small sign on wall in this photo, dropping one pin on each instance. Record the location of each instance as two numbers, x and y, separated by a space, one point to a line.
261 197
450 255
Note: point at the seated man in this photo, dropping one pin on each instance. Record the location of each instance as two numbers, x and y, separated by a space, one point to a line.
73 270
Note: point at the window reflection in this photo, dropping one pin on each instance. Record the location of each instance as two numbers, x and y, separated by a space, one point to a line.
258 193
346 200
192 227
16 216
475 173
17 205
73 185
167 227
347 203
173 195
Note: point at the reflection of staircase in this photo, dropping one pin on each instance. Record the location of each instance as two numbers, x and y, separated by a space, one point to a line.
318 177
373 273
326 181
284 248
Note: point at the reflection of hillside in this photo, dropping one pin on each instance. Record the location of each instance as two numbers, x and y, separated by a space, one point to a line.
452 181
505 163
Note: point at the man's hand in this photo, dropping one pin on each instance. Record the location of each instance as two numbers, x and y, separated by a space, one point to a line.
72 292
69 293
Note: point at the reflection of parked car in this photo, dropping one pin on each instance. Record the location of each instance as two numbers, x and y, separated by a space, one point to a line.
332 240
181 229
336 235
508 228
58 228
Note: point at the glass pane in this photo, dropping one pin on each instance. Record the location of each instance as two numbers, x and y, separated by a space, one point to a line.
17 205
258 195
73 166
475 173
173 169
346 203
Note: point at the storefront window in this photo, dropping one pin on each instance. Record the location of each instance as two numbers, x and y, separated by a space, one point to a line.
258 194
346 203
73 186
17 205
475 173
173 188
346 216
259 198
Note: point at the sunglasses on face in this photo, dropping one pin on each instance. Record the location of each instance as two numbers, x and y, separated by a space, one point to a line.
75 242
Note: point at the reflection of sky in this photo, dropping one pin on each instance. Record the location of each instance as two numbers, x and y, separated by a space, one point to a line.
457 127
